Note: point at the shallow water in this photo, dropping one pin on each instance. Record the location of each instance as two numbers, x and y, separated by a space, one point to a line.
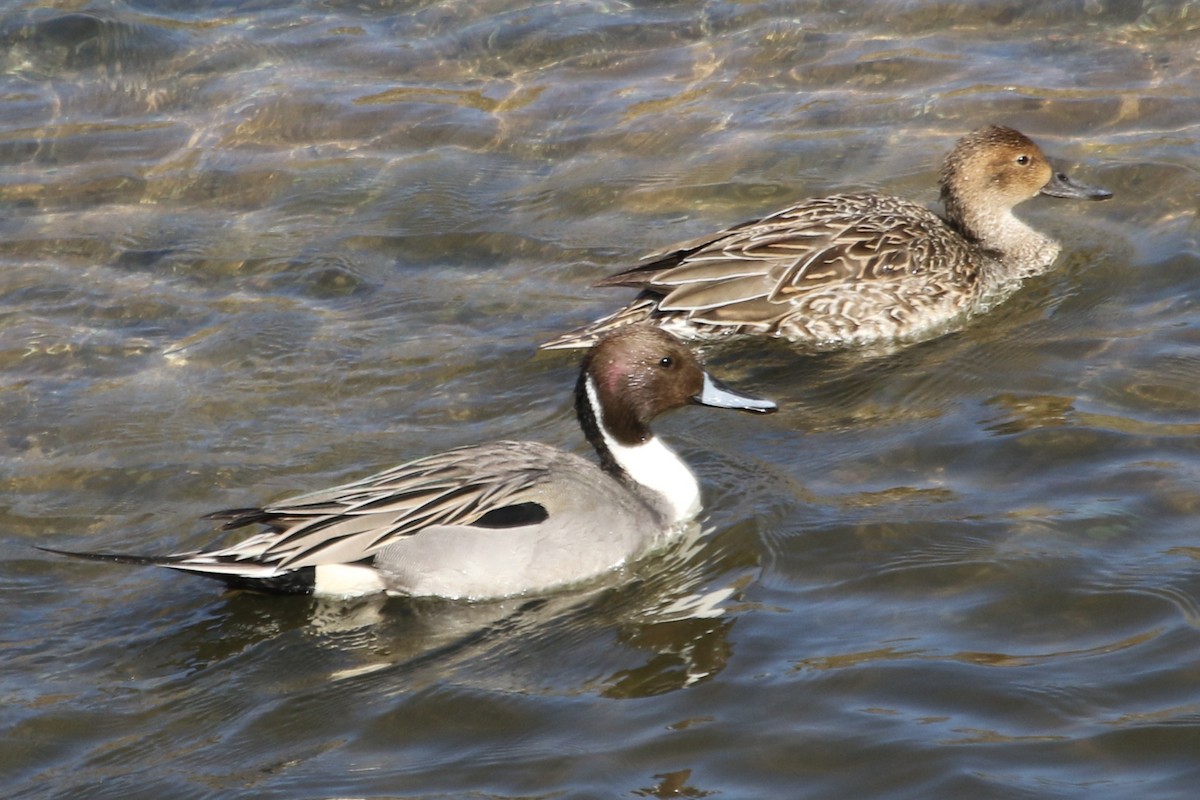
258 249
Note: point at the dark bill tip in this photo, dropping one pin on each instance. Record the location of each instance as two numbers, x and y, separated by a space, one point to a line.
718 395
1063 185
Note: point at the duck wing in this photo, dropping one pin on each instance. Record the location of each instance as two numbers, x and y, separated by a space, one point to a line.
753 274
482 485
487 486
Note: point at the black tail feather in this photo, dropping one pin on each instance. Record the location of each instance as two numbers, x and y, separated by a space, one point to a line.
115 558
239 517
299 581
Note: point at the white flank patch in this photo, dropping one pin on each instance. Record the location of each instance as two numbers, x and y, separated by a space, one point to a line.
655 466
346 580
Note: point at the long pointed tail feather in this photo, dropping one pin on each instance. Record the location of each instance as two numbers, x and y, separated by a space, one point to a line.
235 574
115 558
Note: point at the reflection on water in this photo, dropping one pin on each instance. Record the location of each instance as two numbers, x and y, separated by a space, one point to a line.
248 251
661 633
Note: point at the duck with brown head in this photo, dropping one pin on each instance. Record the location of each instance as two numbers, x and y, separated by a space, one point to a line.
491 520
857 269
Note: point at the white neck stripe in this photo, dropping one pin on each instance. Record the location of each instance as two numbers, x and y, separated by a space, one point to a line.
653 465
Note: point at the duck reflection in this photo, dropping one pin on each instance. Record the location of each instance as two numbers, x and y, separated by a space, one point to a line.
656 631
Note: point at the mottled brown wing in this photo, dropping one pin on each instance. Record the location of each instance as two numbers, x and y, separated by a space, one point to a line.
750 275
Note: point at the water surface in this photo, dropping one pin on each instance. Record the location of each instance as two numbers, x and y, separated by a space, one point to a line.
252 249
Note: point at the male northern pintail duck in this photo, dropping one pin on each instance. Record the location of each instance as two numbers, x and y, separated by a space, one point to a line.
857 269
492 520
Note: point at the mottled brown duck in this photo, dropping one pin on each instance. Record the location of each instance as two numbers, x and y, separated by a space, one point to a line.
857 269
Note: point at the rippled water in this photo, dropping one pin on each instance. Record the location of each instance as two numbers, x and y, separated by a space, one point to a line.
256 249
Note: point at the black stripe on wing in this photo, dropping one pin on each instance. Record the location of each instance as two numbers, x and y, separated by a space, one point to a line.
377 521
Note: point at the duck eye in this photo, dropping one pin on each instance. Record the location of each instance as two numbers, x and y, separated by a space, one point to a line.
1023 160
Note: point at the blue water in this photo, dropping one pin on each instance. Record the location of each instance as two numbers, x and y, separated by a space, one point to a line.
249 250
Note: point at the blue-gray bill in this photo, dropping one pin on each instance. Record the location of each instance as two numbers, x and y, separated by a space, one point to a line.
1063 185
719 395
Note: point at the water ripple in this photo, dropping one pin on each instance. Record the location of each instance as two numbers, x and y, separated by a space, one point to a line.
250 251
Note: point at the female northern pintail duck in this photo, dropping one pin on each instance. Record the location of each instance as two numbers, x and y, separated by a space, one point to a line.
857 269
492 520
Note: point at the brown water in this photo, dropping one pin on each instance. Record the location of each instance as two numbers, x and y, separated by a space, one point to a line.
258 249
